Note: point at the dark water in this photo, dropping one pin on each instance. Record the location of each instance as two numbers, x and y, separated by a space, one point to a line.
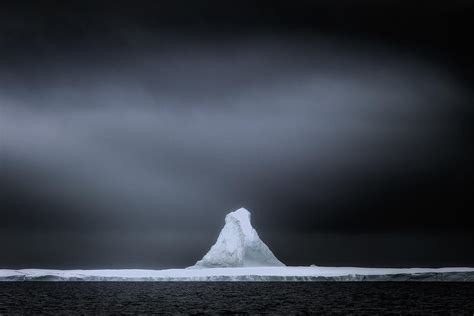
240 297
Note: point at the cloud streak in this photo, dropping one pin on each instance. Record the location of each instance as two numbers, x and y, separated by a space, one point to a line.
175 139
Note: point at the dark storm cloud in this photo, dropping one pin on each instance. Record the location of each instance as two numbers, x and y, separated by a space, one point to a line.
120 137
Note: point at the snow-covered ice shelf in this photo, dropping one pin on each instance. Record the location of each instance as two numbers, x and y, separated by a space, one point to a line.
245 274
240 255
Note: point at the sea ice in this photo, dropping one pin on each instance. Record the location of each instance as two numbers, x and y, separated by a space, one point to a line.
240 255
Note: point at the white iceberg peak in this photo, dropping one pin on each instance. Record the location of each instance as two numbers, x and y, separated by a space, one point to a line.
238 245
243 216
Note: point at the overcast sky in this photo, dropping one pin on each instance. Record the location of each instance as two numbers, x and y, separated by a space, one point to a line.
128 132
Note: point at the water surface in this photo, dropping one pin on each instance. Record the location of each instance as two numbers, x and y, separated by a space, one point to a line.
254 297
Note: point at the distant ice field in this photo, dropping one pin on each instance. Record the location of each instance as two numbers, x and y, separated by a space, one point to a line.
313 273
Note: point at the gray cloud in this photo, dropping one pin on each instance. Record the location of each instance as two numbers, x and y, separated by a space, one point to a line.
176 138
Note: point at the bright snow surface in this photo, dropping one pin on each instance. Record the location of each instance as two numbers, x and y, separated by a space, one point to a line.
240 255
239 274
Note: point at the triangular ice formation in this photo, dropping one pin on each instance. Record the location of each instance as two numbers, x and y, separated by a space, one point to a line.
238 245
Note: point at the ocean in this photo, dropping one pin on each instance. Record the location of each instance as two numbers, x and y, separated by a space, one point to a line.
359 298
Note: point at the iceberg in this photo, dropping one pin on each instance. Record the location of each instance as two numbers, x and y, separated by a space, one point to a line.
238 245
240 255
